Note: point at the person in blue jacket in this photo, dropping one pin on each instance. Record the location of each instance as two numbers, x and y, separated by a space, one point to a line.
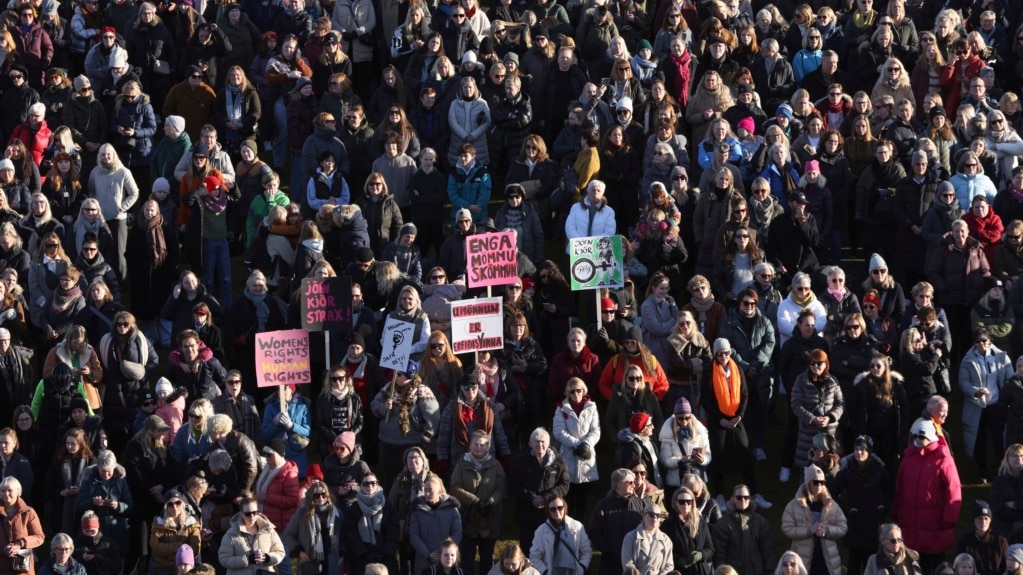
292 426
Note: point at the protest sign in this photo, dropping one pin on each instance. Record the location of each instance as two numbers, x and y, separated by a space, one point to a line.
282 357
477 325
396 342
596 262
492 259
326 303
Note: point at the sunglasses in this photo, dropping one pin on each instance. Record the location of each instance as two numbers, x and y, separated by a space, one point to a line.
852 326
148 402
631 378
749 303
233 381
816 363
337 378
319 495
249 513
555 507
436 346
370 483
742 497
470 387
818 482
981 340
684 501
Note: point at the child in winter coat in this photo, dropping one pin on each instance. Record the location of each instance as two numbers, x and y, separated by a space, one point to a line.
404 253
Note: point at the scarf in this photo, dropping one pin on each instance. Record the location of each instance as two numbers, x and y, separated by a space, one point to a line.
702 306
804 301
838 294
404 417
1016 195
477 464
577 406
315 536
483 416
265 478
157 243
234 104
681 67
372 507
262 309
63 299
727 387
488 379
215 202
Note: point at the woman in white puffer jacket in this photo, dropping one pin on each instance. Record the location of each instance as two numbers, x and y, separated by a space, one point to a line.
577 430
469 119
685 445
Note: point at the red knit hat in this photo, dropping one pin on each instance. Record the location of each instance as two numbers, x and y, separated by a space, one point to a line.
638 421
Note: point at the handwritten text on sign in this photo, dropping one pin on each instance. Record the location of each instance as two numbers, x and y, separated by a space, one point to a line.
477 325
492 259
396 344
282 357
326 303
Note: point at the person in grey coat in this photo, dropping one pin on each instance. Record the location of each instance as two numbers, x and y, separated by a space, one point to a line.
982 373
313 531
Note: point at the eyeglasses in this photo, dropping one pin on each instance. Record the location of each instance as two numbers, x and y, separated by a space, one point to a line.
175 503
195 415
816 362
837 280
684 501
370 483
818 482
679 178
869 306
767 276
332 378
89 250
122 324
876 366
233 381
196 76
741 497
320 495
894 540
634 378
457 15
470 386
881 271
742 236
249 513
514 288
998 121
749 303
437 345
981 340
529 147
53 246
652 514
555 508
438 277
640 473
148 402
576 390
852 326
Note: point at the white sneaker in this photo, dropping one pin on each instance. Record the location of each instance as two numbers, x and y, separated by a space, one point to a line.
759 454
762 503
721 502
784 475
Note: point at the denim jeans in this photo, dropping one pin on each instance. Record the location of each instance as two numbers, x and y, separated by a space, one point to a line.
280 141
216 269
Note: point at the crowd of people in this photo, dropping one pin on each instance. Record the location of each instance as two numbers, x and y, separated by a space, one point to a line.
746 152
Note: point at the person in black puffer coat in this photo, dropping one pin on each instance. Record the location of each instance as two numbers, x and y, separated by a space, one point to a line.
864 488
59 391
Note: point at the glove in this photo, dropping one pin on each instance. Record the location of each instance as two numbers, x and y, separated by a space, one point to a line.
695 557
602 334
366 39
485 507
8 314
349 35
583 451
284 420
442 467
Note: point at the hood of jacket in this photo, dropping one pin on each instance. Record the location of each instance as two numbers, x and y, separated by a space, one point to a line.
446 502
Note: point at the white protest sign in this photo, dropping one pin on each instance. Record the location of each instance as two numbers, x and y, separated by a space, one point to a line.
396 344
477 325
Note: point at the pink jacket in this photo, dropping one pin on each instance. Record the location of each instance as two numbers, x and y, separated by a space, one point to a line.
172 412
928 497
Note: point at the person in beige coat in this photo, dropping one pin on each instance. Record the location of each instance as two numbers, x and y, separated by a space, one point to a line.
813 518
646 547
251 544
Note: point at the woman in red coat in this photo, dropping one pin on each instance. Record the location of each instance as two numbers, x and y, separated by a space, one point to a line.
927 495
277 486
985 225
576 360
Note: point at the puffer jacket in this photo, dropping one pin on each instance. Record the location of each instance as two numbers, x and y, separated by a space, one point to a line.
470 122
674 449
383 219
112 521
743 539
236 547
928 497
573 535
167 535
138 115
868 491
298 411
1005 488
282 495
809 401
468 187
429 525
570 431
579 223
797 522
472 487
751 350
530 238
